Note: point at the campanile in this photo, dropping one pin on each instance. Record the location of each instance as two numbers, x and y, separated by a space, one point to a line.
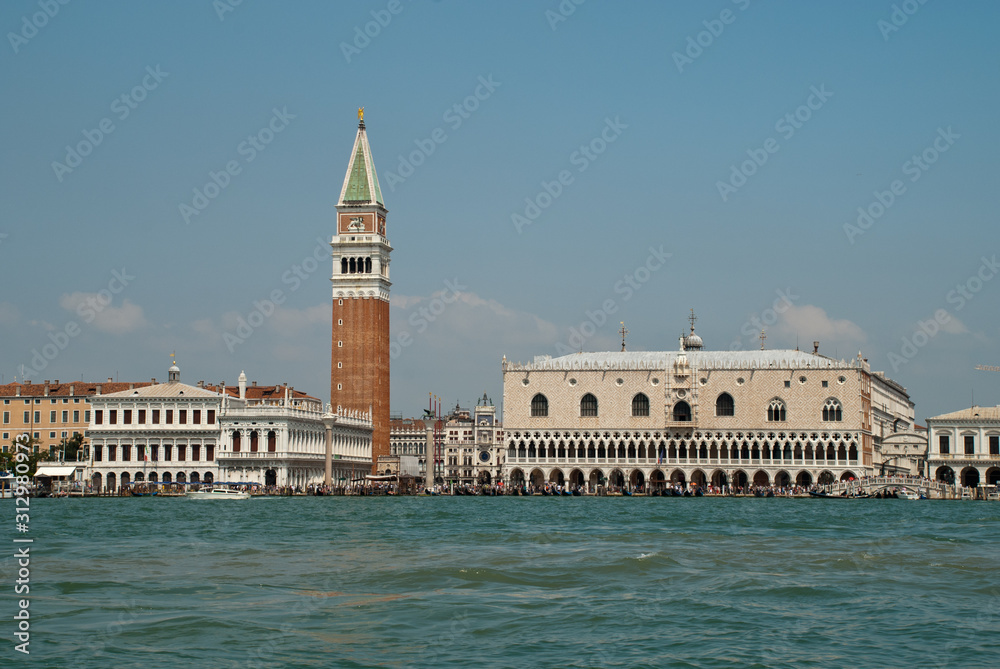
359 367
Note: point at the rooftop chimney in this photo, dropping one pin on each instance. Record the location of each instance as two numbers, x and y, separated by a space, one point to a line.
109 380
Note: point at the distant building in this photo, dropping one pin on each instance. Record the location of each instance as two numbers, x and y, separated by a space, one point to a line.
51 412
177 433
469 445
166 432
695 416
276 436
964 447
902 453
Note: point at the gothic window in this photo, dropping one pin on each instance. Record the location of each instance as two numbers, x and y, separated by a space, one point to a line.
724 405
588 405
640 405
682 412
832 411
776 411
539 405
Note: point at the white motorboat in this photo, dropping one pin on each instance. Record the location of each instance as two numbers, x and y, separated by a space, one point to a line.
904 493
217 493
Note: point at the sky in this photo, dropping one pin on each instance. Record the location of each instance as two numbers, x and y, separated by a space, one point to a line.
822 171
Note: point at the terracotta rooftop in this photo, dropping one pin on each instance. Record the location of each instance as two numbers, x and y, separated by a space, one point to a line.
79 388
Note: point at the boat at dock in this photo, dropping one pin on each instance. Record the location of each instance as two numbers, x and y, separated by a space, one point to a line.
217 493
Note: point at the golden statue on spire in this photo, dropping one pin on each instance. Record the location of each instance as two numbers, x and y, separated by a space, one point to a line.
361 113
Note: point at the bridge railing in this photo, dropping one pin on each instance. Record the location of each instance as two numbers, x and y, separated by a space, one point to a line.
876 482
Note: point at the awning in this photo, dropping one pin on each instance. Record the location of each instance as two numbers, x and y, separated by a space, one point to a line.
385 477
56 470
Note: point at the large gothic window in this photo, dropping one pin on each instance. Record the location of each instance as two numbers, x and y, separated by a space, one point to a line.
682 412
724 405
776 411
588 405
640 405
539 405
833 411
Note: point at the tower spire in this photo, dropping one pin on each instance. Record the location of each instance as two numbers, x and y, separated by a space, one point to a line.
361 185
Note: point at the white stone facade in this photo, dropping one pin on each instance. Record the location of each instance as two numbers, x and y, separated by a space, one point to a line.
167 432
963 447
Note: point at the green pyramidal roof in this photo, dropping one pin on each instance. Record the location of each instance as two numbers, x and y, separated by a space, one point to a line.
361 182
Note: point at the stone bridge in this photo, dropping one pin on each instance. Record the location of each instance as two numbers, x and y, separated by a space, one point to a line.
871 485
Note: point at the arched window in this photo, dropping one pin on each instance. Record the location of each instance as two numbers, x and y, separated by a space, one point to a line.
776 411
833 411
682 412
353 266
343 265
253 441
724 405
272 441
368 265
640 405
236 441
539 405
588 405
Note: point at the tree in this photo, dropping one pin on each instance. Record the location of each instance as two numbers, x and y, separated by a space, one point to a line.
21 455
71 447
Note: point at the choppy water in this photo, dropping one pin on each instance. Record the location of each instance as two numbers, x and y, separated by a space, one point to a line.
508 582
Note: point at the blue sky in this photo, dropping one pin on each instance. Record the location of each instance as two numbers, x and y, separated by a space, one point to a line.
712 156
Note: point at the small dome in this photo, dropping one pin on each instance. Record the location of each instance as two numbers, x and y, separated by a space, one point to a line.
693 341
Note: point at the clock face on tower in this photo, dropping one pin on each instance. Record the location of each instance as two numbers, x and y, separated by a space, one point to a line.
484 456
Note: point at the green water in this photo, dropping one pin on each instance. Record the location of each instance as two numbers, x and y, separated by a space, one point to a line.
508 582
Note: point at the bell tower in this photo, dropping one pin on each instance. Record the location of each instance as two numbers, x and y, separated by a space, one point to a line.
359 368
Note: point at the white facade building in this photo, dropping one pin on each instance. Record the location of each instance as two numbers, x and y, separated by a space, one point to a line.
277 438
964 447
176 433
166 432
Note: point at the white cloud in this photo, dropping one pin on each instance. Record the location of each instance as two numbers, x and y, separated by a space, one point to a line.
954 326
811 323
94 310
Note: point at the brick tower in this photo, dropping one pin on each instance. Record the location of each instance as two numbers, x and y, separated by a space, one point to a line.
359 367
